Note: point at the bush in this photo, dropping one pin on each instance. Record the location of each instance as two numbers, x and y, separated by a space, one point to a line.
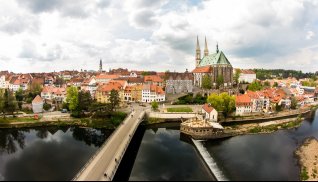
154 105
47 106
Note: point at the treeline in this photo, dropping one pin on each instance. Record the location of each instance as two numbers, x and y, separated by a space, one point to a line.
263 74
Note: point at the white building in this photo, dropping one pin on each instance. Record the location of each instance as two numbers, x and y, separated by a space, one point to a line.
247 76
152 93
243 104
37 104
209 113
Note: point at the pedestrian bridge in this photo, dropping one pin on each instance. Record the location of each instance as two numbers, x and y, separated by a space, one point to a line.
104 164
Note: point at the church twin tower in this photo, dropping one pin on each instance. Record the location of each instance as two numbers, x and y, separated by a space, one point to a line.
206 51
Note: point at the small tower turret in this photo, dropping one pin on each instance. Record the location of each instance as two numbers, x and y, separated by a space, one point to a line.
198 54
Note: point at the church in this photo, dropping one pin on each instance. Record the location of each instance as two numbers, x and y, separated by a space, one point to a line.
215 65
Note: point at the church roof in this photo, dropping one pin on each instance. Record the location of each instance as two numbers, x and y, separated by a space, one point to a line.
212 59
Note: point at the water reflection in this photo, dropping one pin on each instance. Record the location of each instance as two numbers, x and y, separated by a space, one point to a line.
163 156
47 153
262 157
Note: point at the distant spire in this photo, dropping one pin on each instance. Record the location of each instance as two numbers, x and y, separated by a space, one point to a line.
206 50
217 47
198 45
100 65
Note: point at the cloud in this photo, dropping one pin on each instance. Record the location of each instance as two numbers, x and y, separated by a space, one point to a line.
72 8
140 34
310 35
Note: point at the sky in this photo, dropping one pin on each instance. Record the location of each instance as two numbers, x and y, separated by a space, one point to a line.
159 35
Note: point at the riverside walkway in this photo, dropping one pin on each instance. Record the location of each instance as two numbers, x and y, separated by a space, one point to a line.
103 165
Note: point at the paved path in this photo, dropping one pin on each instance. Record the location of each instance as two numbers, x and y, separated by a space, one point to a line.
105 162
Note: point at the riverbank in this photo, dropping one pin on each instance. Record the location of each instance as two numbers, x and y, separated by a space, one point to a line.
28 122
308 159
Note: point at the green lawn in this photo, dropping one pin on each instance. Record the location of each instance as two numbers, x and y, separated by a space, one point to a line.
16 119
180 109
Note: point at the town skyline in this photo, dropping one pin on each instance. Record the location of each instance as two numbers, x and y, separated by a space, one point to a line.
46 36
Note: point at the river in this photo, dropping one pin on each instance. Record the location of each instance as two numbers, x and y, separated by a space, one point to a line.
156 153
47 153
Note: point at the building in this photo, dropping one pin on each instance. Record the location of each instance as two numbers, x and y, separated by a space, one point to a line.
103 92
153 80
179 82
215 65
247 76
89 85
53 93
104 78
209 113
152 93
260 103
37 104
243 104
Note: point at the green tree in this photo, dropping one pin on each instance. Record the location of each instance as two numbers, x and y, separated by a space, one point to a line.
267 84
59 81
84 100
72 98
145 73
219 81
275 84
255 86
114 99
19 96
47 106
278 108
206 82
154 105
10 103
293 103
2 101
222 103
237 76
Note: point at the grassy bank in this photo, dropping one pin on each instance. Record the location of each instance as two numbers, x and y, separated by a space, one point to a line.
108 123
180 109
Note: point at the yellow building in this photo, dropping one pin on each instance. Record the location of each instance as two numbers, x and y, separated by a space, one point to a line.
103 92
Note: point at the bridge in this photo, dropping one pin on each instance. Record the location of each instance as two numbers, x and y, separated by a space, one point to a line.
104 164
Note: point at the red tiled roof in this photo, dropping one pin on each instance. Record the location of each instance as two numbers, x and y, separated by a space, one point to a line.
153 78
243 100
207 108
110 86
103 76
247 72
37 99
204 69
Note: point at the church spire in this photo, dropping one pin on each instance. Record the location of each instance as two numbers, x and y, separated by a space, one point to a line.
217 47
197 53
206 50
100 65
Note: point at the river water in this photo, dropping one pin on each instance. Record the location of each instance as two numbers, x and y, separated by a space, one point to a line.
155 153
47 153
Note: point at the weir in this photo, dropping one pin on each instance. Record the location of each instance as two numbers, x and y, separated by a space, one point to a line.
215 170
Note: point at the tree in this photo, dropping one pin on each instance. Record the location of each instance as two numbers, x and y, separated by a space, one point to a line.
206 82
154 105
114 99
59 81
2 101
222 103
278 108
219 81
237 76
19 97
275 84
84 100
293 103
255 86
72 98
267 84
10 104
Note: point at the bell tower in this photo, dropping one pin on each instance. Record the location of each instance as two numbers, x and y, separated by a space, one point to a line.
198 54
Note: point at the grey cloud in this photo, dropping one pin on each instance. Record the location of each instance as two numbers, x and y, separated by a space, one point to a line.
29 50
150 3
144 18
19 24
103 3
72 8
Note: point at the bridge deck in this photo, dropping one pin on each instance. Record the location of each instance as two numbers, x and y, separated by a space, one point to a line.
103 165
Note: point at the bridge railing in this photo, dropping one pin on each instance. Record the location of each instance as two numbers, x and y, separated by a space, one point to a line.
98 151
111 176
